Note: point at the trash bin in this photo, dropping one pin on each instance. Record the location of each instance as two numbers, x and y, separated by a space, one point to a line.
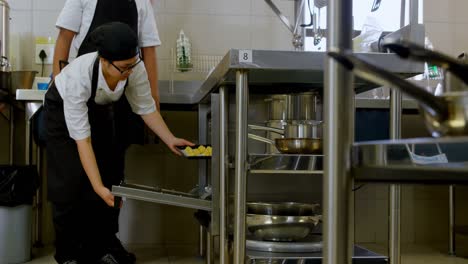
18 185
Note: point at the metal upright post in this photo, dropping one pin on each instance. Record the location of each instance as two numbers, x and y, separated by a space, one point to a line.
242 97
223 154
339 124
395 189
452 220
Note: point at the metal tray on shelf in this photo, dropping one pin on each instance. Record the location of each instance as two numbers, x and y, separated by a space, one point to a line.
161 196
285 163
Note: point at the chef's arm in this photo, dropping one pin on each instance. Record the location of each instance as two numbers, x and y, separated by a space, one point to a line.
88 161
156 123
151 65
62 48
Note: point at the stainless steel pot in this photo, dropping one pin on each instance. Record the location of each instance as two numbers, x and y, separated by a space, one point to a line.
444 115
281 228
305 106
22 80
278 106
283 208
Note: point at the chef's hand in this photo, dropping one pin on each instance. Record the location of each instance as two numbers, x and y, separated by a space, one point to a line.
172 144
106 195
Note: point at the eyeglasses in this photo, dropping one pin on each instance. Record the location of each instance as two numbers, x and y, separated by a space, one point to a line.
129 68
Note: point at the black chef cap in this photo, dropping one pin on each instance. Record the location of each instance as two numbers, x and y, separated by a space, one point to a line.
115 41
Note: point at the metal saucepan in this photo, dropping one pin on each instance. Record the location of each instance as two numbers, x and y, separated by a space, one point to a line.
283 208
293 145
444 115
281 228
300 106
295 129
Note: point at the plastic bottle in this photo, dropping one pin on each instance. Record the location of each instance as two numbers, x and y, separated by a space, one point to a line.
184 52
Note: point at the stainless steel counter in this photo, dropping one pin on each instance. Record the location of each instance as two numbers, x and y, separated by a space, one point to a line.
289 71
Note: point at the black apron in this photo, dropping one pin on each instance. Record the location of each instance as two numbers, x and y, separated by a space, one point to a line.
124 11
67 180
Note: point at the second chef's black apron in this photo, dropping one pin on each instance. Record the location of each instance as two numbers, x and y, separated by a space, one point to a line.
124 11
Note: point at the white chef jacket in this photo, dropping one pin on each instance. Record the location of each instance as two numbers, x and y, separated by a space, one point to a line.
74 86
77 16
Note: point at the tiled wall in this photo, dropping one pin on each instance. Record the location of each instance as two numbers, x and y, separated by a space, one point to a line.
214 26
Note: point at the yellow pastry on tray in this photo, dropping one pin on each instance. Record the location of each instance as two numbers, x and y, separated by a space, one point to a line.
198 151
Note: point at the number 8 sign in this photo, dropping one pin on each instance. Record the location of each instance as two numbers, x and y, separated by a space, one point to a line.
245 56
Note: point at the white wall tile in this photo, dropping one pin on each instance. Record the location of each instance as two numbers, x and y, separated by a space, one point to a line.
459 8
460 40
269 33
189 6
44 23
48 4
260 8
442 36
20 4
439 11
21 21
229 7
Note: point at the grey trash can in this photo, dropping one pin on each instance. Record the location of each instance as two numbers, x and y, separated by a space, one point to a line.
15 234
18 185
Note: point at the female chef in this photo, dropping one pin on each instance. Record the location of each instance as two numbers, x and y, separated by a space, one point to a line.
85 150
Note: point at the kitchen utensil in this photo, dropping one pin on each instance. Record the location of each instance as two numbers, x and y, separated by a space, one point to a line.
296 129
21 80
281 228
444 115
283 208
312 243
293 145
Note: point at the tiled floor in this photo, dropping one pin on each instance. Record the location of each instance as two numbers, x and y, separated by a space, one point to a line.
412 254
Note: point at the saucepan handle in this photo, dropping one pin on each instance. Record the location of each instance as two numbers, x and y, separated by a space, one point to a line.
416 52
435 106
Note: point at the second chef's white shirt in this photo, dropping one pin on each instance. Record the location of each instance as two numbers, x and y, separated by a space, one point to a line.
74 86
77 16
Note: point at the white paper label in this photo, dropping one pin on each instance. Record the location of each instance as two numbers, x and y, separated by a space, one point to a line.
245 56
423 160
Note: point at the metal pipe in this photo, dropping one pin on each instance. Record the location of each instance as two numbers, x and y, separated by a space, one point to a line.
413 12
240 165
339 97
394 229
452 220
223 155
201 241
12 135
403 14
209 248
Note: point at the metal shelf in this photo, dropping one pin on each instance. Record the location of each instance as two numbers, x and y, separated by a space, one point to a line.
161 196
361 256
420 160
285 164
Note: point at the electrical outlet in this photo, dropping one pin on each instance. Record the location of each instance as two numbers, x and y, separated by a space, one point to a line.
49 51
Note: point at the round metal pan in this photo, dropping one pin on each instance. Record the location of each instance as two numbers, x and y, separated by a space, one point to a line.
283 208
281 228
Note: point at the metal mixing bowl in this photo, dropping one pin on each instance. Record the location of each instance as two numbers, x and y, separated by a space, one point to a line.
283 208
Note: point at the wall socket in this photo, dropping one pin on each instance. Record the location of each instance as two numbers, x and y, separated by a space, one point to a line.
48 49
